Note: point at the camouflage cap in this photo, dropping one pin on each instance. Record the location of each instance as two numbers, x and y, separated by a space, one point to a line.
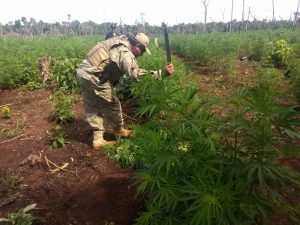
144 40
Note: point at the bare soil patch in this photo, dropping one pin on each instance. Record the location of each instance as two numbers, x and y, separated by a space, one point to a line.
93 190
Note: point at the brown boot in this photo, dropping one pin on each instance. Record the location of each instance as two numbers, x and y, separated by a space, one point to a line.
122 132
99 142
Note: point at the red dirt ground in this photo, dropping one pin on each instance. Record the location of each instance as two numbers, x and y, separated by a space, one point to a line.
95 192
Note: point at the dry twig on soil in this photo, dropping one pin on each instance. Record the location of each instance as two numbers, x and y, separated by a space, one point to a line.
57 168
131 118
6 105
14 138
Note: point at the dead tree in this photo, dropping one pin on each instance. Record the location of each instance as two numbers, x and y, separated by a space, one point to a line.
273 17
243 14
223 20
246 26
44 66
156 42
223 15
296 15
213 24
205 4
143 22
230 25
290 19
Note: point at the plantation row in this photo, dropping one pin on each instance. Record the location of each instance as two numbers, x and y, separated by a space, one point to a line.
19 57
221 50
196 167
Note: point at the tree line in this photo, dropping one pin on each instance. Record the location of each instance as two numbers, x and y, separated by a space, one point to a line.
32 27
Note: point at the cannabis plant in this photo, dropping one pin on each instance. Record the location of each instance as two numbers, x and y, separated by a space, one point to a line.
197 168
6 112
62 107
32 85
63 73
57 137
278 53
21 217
294 77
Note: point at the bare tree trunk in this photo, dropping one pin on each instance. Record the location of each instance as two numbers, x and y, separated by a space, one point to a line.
213 24
230 25
156 42
291 16
205 4
291 20
296 15
246 27
143 22
273 17
243 13
44 66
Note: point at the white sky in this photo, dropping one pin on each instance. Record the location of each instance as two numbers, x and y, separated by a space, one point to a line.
155 11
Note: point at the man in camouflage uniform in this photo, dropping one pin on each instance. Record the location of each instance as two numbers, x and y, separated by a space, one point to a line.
112 33
103 67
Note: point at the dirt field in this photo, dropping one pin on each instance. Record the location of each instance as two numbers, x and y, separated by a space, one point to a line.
93 190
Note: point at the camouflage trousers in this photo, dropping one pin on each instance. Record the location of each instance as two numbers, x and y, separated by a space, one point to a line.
100 102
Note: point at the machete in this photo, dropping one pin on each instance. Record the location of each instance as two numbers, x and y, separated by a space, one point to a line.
167 43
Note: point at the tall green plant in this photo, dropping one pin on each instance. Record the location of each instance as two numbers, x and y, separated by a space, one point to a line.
62 107
198 169
63 73
19 58
294 77
278 53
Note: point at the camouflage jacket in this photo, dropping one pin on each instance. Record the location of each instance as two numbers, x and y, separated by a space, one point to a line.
112 58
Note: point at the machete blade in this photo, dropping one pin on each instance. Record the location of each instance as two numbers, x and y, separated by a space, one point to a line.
167 43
